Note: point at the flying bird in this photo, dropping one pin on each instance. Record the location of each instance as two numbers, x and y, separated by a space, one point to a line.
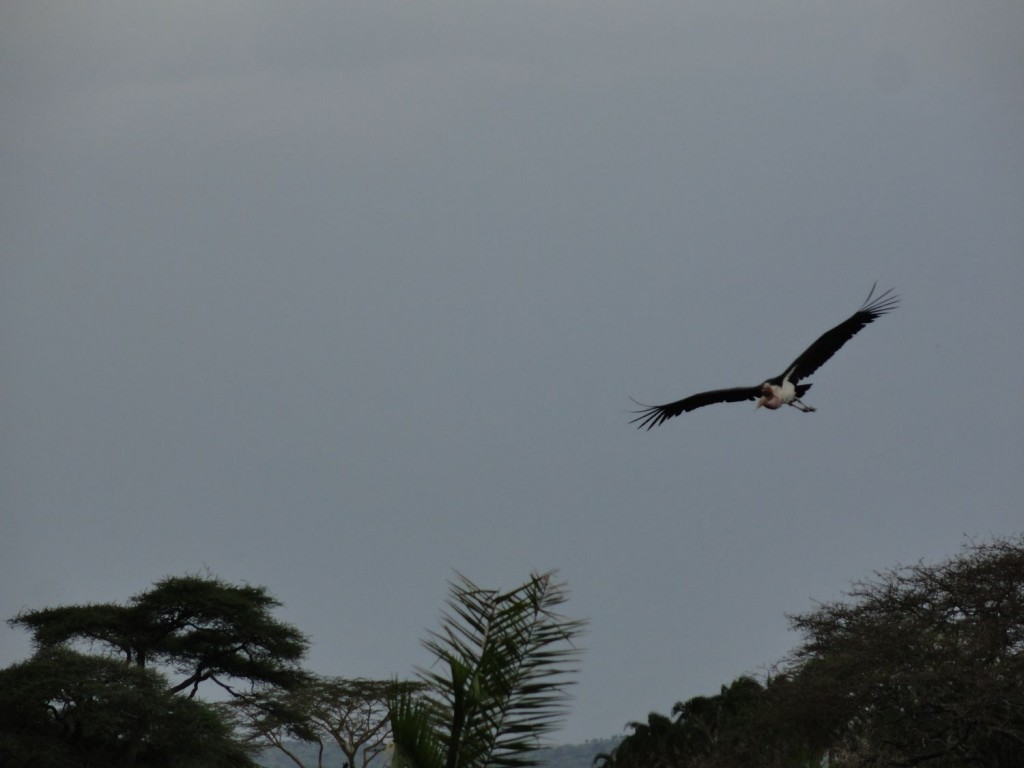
784 389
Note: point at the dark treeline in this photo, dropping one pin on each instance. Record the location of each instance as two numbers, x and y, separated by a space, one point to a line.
920 666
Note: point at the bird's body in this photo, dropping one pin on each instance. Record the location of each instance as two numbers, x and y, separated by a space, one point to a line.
784 389
774 396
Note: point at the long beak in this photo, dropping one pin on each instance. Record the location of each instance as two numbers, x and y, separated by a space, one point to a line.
760 402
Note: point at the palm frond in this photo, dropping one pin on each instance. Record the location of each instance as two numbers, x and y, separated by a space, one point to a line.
413 731
503 663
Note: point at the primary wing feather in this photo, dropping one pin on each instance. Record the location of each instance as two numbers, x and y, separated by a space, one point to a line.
832 340
653 415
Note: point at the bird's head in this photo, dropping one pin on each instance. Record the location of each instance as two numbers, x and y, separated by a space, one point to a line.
766 392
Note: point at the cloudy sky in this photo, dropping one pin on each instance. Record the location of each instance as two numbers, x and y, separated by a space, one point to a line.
340 298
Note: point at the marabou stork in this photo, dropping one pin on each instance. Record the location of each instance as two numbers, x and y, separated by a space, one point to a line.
784 389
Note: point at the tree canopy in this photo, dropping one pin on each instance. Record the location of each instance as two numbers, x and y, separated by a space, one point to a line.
923 665
735 727
352 714
201 627
63 707
920 666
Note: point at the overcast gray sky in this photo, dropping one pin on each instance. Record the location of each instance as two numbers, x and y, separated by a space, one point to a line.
339 297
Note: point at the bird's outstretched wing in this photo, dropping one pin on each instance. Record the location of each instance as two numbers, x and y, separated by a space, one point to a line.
653 415
831 341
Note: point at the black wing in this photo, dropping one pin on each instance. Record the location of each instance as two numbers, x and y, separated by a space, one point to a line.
831 341
653 415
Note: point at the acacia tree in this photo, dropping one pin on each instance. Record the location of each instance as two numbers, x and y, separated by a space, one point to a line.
352 714
922 666
115 708
499 679
201 627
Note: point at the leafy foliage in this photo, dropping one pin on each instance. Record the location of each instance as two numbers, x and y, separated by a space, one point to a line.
351 715
923 666
202 627
66 708
63 708
503 661
733 728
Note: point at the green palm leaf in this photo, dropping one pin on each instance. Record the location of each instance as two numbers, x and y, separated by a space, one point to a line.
503 663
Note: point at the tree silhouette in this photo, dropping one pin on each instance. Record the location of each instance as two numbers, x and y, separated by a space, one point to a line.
923 665
352 714
63 708
116 707
201 627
